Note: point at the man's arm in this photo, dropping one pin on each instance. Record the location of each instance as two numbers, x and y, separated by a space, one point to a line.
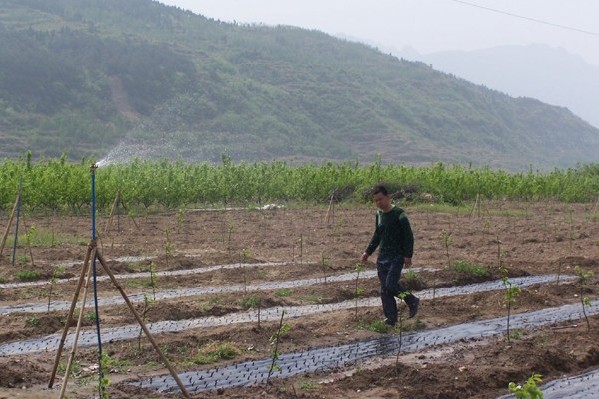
407 239
374 242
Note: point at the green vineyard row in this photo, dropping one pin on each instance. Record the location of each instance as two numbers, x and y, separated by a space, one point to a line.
57 184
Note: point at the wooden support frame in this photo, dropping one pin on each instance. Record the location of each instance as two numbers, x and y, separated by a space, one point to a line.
93 253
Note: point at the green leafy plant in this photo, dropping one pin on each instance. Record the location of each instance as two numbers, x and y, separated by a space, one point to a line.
75 368
529 390
22 258
253 302
308 386
283 292
153 280
230 230
216 351
90 316
28 275
378 326
274 341
511 293
583 278
402 296
104 381
55 274
180 219
447 242
471 269
412 275
28 240
516 333
324 264
148 303
245 254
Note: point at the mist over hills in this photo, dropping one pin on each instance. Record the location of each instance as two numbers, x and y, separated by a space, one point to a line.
98 78
552 75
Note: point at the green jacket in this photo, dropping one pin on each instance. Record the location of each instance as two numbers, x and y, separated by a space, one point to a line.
392 234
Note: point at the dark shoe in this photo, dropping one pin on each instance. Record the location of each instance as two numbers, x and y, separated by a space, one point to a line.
389 322
413 306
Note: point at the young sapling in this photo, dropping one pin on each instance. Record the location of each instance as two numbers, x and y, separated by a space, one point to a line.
283 329
583 278
511 293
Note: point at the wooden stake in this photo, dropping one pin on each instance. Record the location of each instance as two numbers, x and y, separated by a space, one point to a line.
476 205
93 253
118 199
114 205
12 216
28 243
84 270
331 210
143 325
76 339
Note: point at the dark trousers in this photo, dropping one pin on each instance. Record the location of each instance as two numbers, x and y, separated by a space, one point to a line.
389 271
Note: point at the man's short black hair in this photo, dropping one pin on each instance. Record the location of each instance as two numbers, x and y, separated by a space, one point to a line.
380 188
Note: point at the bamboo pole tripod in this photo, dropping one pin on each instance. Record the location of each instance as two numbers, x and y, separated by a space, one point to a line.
89 270
115 204
331 210
10 220
16 211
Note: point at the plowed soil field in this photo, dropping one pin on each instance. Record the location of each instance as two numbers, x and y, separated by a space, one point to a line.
305 243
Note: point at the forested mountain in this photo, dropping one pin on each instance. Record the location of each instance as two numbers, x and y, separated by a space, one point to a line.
552 75
87 77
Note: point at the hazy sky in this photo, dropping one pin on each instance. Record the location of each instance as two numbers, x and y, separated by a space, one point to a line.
426 25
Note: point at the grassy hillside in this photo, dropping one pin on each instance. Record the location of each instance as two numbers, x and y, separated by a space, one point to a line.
89 76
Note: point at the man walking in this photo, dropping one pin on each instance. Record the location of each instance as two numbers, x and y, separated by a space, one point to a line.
394 238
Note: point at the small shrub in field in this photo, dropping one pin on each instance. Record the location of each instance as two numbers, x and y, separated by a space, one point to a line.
528 390
447 242
22 258
309 386
90 316
378 326
583 278
251 302
411 275
471 269
283 292
28 275
511 293
283 329
216 351
55 274
516 333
